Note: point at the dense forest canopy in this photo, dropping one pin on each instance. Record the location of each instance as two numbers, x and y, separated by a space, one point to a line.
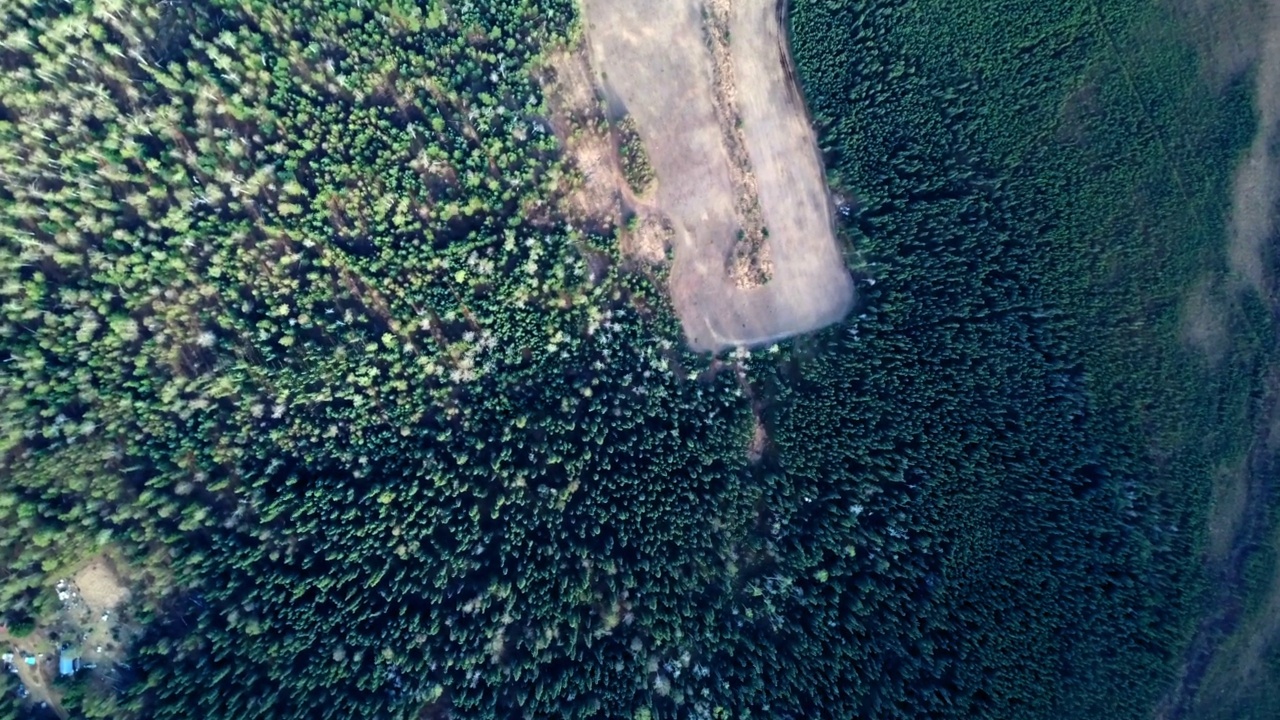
290 321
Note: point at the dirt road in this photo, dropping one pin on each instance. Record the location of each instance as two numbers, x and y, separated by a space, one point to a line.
705 80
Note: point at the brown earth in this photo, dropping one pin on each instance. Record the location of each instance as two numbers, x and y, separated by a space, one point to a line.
750 264
96 594
740 181
649 239
100 586
593 192
759 440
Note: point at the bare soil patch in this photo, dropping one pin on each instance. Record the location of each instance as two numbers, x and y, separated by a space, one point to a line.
100 587
648 238
759 440
594 190
92 619
739 178
92 601
600 192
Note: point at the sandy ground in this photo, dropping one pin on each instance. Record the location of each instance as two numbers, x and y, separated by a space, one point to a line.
100 586
654 59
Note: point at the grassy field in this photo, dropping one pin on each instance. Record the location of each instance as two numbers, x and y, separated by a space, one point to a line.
738 176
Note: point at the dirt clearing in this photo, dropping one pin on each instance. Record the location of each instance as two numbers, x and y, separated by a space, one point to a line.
739 181
91 622
593 192
100 586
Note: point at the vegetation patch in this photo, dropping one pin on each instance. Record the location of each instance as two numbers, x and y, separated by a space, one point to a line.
307 319
635 161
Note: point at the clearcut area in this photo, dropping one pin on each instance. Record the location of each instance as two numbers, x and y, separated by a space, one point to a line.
739 179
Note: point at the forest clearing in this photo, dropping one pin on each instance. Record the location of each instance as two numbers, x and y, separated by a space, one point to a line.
738 172
84 632
341 373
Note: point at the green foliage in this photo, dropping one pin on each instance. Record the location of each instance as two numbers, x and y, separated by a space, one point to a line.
284 311
22 628
10 706
636 167
1018 377
277 319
